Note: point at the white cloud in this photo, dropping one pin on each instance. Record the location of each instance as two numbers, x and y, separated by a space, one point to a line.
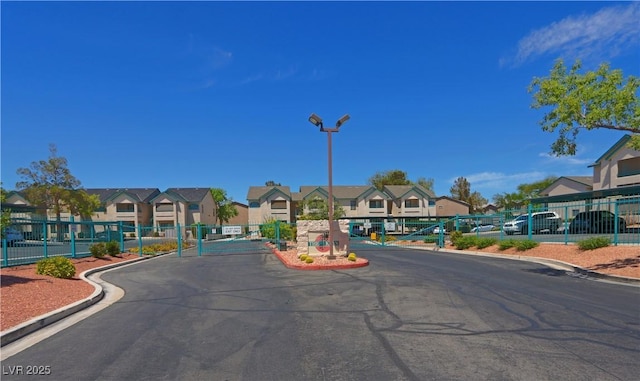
566 160
498 182
607 32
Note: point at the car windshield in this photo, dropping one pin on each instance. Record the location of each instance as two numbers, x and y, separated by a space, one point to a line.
521 217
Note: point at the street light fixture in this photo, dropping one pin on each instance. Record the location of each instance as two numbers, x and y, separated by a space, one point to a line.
317 121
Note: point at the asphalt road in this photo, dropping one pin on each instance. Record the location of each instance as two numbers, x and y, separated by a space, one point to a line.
409 315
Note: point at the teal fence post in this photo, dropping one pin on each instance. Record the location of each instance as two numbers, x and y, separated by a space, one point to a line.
199 237
5 253
72 233
529 220
121 230
44 239
566 225
383 230
441 234
139 241
457 222
501 220
277 237
616 229
179 241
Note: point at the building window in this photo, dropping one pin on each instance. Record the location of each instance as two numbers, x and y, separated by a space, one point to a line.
194 207
353 204
124 208
432 203
279 204
164 207
376 204
412 203
254 204
629 167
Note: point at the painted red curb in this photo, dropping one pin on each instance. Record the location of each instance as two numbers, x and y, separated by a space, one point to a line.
318 267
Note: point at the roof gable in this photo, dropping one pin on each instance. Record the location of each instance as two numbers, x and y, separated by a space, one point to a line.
614 148
257 193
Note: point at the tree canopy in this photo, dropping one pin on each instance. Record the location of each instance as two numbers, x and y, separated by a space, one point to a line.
596 99
5 218
461 190
524 192
50 184
224 208
318 209
397 177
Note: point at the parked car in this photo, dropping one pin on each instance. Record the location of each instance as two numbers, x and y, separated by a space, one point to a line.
540 221
108 235
596 221
482 228
12 235
434 229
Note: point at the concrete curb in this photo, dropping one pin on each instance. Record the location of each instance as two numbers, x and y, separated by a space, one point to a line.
555 264
317 267
15 333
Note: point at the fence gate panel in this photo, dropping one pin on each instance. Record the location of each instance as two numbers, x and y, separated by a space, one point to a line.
233 239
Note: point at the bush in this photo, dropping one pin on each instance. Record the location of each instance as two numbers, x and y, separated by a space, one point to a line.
303 257
463 243
113 248
98 250
132 235
506 244
58 267
352 257
309 260
156 234
594 243
454 236
523 245
485 242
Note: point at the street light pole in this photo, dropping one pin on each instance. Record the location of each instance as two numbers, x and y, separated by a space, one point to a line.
317 121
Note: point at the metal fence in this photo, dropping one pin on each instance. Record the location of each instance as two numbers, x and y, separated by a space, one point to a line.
570 222
45 238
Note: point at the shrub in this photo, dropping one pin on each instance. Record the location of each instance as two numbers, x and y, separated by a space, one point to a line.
58 267
98 250
523 245
352 257
594 243
309 260
506 244
454 236
485 242
303 257
156 234
463 243
113 248
132 235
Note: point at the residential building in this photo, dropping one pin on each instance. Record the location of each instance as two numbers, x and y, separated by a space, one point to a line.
131 206
184 206
359 202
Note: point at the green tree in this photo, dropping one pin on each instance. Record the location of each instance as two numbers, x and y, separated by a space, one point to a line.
5 219
509 201
596 99
532 190
318 209
461 190
426 183
392 177
50 184
398 177
525 192
271 183
224 208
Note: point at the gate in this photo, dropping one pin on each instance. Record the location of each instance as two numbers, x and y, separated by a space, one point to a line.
236 239
368 235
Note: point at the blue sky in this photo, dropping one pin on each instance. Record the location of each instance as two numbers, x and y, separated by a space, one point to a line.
217 94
